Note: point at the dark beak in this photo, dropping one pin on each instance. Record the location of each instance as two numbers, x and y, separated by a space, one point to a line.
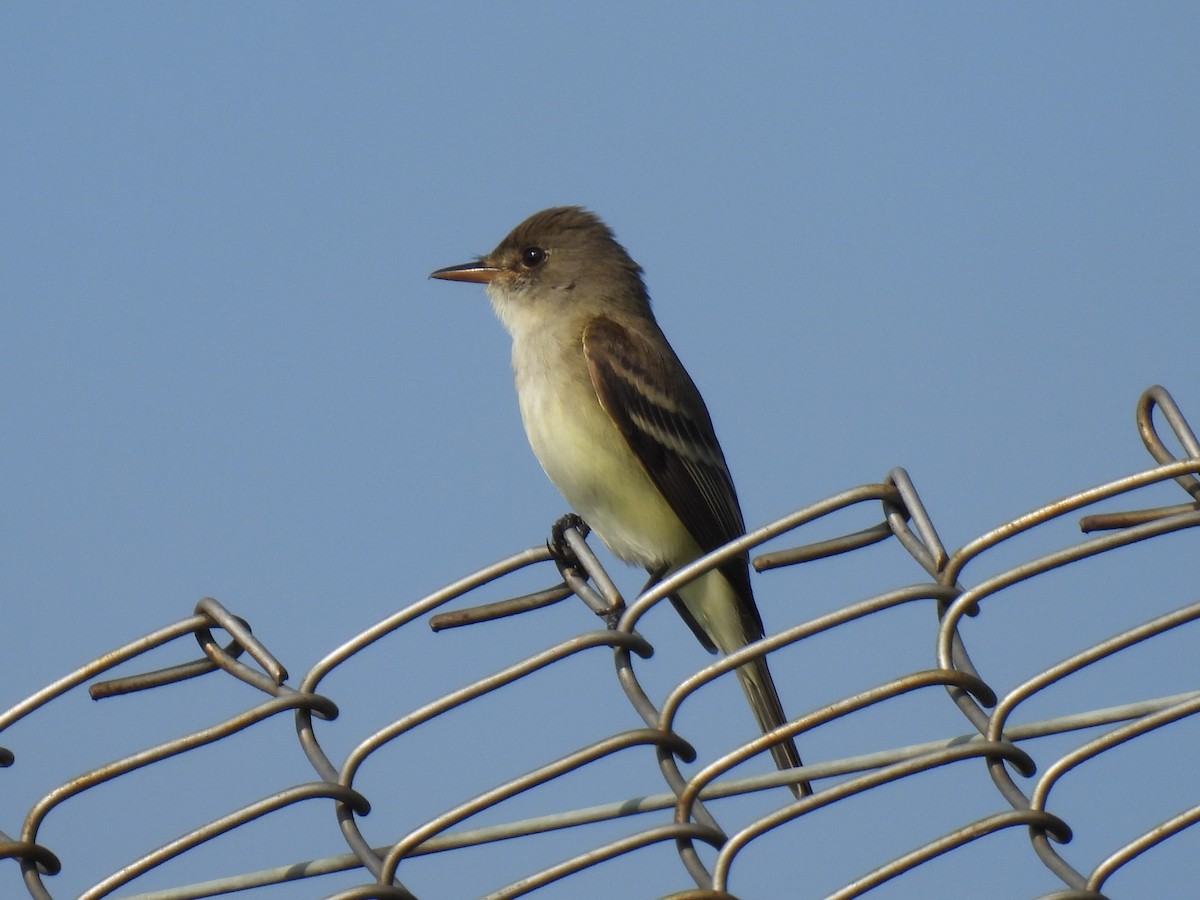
477 271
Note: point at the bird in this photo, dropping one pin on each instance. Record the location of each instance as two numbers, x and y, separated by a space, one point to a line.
620 428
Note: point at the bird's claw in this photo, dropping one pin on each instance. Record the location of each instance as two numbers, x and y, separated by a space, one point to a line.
558 542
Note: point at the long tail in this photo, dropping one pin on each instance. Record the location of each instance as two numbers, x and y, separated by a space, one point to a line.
725 618
764 701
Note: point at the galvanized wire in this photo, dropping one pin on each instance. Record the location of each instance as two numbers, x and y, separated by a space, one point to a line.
678 821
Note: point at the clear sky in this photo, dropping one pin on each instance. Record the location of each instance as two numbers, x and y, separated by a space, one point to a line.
958 238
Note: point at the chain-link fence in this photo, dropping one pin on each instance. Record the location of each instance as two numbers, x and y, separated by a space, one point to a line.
1021 756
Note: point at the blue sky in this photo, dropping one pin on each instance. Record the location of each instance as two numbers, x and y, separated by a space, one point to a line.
956 238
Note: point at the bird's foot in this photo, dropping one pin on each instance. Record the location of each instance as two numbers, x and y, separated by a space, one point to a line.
558 544
601 596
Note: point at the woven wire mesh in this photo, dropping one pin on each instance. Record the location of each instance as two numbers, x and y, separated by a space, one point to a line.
1020 759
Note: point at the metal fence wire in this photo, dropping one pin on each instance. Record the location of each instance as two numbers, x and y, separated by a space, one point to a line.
1018 761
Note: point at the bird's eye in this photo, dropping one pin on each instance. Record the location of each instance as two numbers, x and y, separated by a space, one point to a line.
532 257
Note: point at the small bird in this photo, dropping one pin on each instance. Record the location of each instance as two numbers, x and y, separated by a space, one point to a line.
619 427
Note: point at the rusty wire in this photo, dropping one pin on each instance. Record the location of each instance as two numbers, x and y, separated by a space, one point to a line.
679 820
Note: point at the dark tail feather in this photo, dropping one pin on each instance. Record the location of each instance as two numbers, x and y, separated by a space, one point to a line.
764 701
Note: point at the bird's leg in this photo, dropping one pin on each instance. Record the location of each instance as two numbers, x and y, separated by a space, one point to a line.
655 577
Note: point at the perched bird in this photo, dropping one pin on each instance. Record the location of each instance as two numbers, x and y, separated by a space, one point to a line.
620 428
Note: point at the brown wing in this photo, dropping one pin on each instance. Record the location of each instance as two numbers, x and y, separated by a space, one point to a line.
649 395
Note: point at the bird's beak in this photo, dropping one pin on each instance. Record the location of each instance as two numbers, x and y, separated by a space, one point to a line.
477 271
